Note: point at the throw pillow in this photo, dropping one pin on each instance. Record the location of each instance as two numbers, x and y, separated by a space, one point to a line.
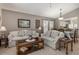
21 33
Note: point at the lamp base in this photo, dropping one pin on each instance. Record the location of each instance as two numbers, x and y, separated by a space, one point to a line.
39 35
2 35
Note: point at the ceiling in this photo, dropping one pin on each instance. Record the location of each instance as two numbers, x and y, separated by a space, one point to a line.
42 9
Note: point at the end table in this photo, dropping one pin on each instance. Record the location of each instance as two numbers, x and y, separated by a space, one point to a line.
66 42
5 40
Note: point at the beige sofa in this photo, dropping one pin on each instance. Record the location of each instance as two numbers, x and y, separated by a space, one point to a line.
51 38
19 35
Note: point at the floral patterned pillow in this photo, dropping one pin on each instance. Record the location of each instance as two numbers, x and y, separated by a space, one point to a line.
21 33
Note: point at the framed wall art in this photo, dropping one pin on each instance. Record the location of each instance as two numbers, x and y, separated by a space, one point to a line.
23 23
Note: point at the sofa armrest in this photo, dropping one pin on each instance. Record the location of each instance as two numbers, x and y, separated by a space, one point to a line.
10 36
61 35
35 34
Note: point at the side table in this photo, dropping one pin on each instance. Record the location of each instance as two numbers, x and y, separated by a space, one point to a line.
5 40
66 42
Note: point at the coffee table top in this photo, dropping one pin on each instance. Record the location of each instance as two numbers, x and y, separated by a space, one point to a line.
37 39
66 40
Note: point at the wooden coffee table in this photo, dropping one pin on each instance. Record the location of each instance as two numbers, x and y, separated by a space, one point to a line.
23 47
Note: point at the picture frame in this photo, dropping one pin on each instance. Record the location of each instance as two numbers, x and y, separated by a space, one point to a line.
23 23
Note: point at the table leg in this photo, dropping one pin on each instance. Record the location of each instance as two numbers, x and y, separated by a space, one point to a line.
0 42
74 39
66 46
6 43
71 46
59 45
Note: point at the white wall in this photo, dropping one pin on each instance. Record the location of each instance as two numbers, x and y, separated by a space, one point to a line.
0 15
74 13
10 19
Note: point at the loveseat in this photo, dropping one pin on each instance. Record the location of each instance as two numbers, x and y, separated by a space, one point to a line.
51 38
19 35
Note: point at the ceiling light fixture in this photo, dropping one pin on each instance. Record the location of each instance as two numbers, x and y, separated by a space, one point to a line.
61 17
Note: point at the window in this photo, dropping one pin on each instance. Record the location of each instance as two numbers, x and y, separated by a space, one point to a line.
51 25
48 25
45 25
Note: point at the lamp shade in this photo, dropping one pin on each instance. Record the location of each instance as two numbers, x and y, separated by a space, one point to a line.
3 28
39 28
60 18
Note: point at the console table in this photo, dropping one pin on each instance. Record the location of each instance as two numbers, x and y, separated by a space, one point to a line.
66 42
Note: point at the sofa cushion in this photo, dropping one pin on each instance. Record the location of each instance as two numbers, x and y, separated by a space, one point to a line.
33 32
48 38
54 33
21 33
20 38
14 33
28 32
48 34
61 34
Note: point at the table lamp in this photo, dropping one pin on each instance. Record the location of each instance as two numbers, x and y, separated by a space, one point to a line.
2 30
40 30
